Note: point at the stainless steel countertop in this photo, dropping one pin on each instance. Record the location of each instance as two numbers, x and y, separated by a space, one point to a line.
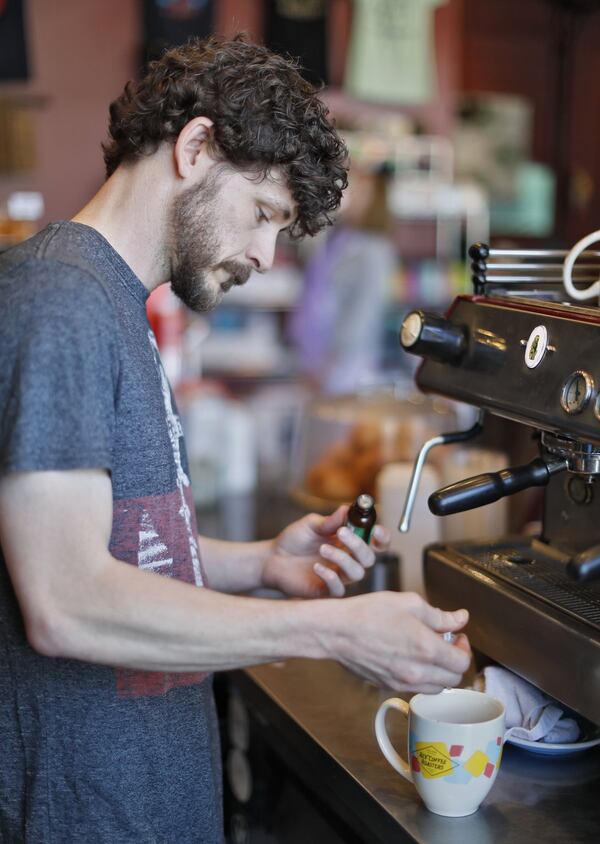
319 717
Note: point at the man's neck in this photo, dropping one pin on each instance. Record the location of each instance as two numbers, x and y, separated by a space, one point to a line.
129 210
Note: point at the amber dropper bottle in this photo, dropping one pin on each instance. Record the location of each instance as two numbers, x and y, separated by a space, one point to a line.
362 517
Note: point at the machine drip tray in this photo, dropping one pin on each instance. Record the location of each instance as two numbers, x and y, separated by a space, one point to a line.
542 576
525 613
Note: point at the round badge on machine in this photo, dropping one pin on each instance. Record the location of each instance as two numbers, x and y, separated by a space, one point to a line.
536 346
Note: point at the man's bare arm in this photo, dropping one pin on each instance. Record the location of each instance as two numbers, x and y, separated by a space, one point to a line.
234 566
80 602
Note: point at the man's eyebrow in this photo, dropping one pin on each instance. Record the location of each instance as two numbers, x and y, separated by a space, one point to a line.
281 208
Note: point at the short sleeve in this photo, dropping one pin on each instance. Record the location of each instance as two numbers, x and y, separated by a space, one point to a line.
59 351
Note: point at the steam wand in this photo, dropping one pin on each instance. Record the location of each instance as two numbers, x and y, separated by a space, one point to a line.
441 439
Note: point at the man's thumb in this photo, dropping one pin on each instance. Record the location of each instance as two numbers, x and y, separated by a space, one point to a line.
442 621
331 523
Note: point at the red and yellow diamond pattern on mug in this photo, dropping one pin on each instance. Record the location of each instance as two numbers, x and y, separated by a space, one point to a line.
434 759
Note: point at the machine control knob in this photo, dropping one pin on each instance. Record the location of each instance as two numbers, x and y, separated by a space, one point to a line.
433 336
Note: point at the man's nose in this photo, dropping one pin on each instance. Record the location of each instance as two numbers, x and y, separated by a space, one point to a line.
261 252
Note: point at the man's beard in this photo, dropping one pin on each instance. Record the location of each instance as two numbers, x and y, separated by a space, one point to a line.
196 247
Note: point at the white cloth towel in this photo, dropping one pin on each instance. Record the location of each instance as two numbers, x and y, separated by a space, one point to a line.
530 714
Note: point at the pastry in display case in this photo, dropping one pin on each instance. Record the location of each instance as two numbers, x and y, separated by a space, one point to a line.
344 441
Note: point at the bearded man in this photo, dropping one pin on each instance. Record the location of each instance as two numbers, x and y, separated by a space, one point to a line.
113 612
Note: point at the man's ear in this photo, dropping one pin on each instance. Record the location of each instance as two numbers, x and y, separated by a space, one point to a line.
191 147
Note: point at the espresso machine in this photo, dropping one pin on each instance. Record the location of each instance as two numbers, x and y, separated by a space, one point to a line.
525 346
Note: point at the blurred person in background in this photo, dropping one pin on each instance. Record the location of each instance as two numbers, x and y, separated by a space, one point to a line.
113 612
338 323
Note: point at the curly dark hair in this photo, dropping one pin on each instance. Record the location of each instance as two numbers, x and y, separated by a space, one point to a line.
264 115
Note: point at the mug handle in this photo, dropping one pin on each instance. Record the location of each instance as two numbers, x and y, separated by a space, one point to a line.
387 748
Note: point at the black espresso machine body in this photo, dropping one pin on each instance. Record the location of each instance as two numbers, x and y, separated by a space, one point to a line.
520 349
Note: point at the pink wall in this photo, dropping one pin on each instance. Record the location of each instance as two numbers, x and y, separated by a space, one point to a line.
81 53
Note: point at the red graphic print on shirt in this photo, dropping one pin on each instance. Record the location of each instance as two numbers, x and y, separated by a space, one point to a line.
147 533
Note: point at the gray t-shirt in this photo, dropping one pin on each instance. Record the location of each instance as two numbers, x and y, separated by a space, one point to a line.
91 753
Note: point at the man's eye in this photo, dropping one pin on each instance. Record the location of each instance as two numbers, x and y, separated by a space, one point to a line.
260 216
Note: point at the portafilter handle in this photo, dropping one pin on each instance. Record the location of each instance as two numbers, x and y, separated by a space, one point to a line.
442 439
491 486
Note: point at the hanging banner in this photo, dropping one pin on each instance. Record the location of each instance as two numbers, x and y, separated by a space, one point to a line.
298 28
391 58
13 53
168 23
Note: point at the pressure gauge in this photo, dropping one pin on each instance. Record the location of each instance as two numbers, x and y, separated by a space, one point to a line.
577 392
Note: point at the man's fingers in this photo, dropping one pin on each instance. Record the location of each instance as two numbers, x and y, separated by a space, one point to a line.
347 564
463 643
360 550
436 654
454 658
381 538
429 689
419 676
440 620
332 580
443 678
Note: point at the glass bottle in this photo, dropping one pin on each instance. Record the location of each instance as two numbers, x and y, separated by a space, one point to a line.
362 517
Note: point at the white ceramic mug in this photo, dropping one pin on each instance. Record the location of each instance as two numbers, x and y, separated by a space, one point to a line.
454 747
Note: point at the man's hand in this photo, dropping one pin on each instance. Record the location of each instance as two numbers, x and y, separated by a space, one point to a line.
394 640
316 556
